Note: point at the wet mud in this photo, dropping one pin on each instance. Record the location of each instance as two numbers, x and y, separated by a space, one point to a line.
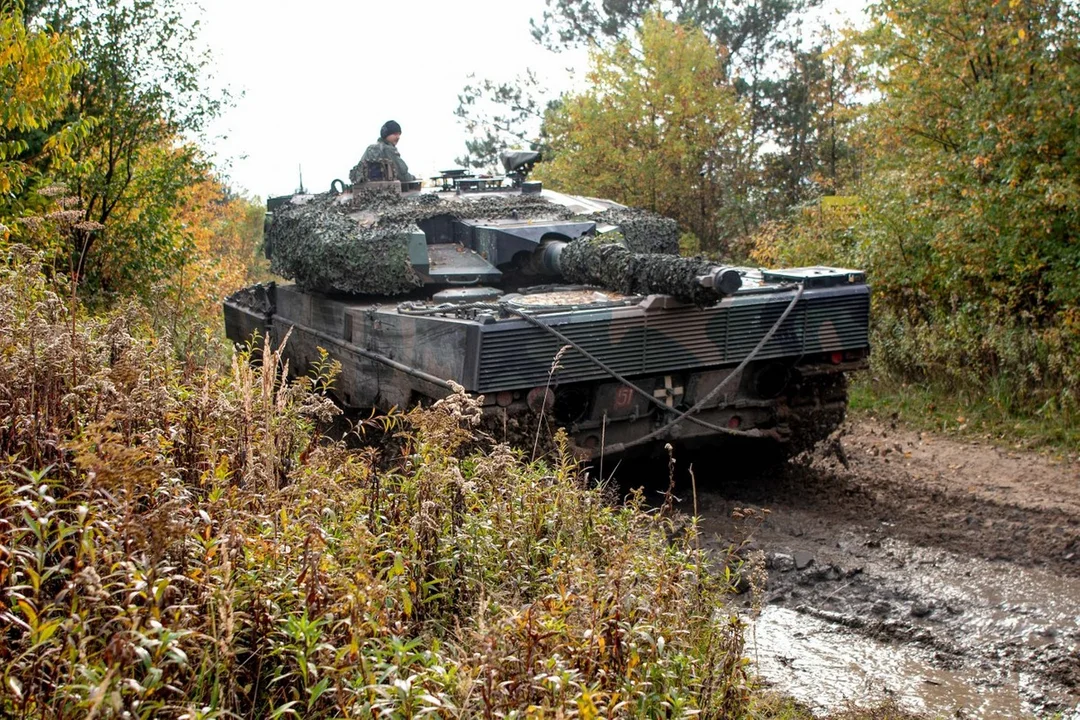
940 573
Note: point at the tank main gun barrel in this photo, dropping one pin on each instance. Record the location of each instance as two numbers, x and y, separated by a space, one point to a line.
591 261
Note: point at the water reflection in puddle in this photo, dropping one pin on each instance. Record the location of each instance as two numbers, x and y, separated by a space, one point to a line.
826 667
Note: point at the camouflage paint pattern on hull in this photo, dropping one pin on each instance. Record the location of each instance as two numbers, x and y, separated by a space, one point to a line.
677 353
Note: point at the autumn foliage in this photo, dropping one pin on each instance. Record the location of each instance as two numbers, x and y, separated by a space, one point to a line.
969 215
659 127
96 176
37 68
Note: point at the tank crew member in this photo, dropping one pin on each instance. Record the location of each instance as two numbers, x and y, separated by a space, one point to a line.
385 148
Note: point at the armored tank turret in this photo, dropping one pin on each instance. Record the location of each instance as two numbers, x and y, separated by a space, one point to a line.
550 305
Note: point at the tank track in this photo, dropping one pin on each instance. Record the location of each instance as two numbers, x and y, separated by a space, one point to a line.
812 407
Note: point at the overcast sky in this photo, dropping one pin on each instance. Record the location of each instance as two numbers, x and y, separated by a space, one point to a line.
318 83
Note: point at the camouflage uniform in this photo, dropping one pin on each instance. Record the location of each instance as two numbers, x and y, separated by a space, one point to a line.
382 150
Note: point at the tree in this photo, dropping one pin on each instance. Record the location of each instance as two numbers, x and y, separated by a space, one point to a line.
660 127
748 29
811 120
795 92
219 234
970 201
978 125
145 82
752 32
500 115
36 71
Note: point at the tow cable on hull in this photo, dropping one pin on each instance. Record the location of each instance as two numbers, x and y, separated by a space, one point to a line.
687 414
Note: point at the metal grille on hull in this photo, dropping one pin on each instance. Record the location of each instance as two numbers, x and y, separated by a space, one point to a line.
520 356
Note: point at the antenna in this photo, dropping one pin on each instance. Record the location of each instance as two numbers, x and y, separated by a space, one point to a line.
300 169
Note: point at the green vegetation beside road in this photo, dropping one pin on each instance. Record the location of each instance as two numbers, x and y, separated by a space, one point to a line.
983 415
969 218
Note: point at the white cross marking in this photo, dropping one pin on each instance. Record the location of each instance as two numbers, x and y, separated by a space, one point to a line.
669 392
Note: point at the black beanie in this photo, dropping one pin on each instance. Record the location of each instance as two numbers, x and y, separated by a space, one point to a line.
389 128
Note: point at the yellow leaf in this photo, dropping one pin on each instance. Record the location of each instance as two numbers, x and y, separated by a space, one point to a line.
29 612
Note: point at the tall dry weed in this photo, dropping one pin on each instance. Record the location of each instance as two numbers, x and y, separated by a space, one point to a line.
181 540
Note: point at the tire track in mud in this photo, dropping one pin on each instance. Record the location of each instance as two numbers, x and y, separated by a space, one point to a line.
959 562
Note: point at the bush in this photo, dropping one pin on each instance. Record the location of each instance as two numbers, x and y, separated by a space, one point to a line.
970 200
956 342
183 541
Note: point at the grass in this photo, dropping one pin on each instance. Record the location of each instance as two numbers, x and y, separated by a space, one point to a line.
987 415
768 706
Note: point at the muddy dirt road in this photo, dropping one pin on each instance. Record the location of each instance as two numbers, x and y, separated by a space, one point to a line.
943 573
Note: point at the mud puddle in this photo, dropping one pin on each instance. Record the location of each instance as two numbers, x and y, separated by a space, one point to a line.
827 668
942 574
939 633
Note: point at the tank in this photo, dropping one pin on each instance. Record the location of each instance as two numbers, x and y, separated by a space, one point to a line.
556 309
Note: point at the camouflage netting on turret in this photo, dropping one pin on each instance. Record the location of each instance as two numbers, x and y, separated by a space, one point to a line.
598 261
519 207
644 231
358 243
325 250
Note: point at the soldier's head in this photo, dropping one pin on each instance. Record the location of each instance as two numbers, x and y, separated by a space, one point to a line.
390 132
